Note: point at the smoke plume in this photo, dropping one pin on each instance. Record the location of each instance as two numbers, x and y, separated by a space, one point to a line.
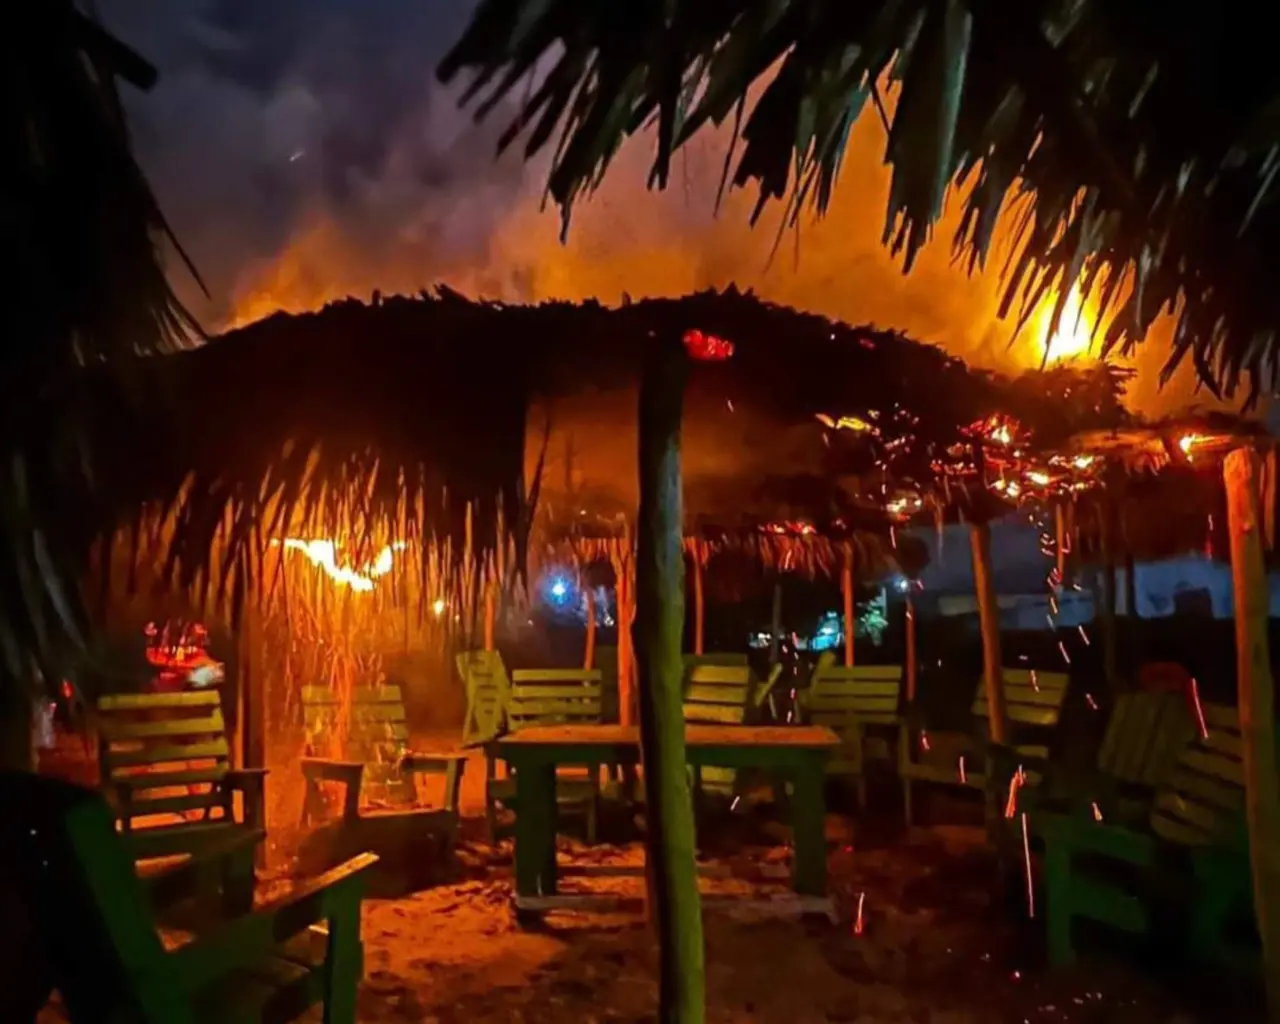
303 152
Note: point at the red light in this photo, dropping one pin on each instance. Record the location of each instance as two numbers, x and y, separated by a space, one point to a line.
707 348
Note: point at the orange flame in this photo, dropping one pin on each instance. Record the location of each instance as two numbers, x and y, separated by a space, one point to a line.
324 553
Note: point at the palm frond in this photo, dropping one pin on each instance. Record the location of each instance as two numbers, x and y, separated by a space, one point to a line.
1149 173
87 286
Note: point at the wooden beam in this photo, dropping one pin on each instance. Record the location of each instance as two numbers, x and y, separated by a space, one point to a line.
1256 697
989 622
775 622
490 615
659 628
911 649
850 615
589 653
699 601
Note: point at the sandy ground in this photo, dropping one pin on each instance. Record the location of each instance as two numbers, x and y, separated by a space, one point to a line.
938 941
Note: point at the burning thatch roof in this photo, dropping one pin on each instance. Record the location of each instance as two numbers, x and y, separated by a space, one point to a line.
405 411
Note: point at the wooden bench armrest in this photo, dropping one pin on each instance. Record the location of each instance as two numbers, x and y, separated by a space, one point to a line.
1081 835
244 778
210 864
250 940
331 769
430 763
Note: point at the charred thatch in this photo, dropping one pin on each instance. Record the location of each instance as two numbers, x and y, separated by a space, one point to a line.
406 418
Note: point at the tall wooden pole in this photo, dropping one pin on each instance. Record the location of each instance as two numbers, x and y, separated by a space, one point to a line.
699 601
674 902
490 616
911 650
989 622
589 653
1060 541
1256 695
775 623
850 618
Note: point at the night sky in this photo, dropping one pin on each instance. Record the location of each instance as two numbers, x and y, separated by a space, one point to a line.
303 151
267 113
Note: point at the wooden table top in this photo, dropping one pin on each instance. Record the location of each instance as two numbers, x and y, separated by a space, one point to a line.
799 736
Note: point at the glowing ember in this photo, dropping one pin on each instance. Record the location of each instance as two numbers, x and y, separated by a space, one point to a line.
858 426
1189 441
707 348
437 607
858 921
1026 857
1199 710
324 554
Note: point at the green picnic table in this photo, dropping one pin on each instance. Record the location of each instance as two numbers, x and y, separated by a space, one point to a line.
796 753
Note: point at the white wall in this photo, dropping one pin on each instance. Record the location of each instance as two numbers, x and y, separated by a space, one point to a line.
1020 569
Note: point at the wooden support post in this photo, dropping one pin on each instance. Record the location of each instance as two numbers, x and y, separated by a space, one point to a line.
589 654
775 622
989 621
911 650
1257 706
699 601
490 616
1109 589
673 878
1060 541
626 651
850 615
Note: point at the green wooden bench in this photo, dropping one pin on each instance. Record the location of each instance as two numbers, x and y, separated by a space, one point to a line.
551 696
1191 854
165 768
108 962
1033 705
849 701
381 803
722 690
1146 733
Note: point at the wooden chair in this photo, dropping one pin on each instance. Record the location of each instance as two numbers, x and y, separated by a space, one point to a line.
850 700
551 696
1191 853
723 693
95 927
488 690
1146 734
165 768
1033 705
380 800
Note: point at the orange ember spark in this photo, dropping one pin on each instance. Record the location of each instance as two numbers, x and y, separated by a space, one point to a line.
1195 700
858 921
1026 857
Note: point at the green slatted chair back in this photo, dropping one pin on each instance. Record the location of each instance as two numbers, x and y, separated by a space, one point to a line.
1203 801
488 691
370 727
171 749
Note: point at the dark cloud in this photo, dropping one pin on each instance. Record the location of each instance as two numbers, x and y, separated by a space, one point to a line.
271 115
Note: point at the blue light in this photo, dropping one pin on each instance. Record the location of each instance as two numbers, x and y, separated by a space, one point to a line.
559 589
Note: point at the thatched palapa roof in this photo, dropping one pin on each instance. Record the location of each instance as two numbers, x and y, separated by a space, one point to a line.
405 411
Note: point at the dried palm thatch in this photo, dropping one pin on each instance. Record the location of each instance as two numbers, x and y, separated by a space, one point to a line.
405 420
1127 163
367 425
86 286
